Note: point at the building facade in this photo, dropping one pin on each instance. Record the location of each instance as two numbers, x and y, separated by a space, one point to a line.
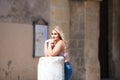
91 27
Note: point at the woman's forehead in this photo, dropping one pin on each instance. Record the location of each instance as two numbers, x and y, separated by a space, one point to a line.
54 31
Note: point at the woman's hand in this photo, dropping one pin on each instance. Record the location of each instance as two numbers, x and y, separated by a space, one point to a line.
50 42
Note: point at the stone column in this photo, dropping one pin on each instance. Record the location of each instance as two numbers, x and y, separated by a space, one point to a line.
51 68
91 20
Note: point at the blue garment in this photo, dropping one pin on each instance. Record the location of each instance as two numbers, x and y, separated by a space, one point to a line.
68 71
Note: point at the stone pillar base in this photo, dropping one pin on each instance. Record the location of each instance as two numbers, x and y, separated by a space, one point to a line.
51 68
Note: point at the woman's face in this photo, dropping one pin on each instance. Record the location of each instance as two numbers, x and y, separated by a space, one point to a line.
55 35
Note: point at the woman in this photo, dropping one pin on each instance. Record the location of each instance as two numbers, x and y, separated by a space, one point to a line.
56 47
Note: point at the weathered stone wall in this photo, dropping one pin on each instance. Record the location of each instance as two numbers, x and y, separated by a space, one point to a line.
84 34
16 37
59 15
76 42
16 50
79 18
92 66
18 11
114 38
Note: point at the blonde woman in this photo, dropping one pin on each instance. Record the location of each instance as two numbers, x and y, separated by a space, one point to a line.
56 47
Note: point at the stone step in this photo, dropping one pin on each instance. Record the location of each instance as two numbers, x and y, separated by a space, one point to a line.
107 79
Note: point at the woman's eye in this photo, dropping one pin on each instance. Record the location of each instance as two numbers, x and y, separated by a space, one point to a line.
53 33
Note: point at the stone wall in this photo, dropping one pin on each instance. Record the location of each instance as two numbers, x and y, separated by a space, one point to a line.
84 35
76 44
92 66
26 11
16 37
16 50
59 15
79 18
114 38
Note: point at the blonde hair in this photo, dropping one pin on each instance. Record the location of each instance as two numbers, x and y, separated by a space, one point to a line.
60 32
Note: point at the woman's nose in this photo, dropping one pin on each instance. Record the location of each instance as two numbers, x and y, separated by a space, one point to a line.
52 37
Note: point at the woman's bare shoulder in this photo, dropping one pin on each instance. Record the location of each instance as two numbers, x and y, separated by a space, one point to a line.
61 41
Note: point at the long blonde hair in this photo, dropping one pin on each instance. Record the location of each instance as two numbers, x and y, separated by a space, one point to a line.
61 34
59 31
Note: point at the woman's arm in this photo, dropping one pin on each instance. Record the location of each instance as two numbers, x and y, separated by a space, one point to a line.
48 46
58 48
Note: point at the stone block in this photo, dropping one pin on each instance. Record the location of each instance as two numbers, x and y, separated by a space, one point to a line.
51 68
